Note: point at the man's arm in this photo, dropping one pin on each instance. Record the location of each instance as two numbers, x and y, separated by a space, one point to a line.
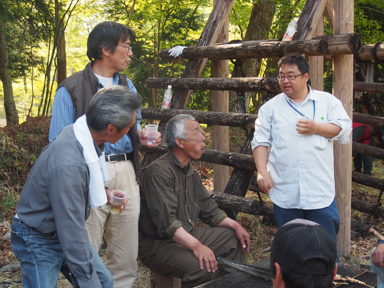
68 198
308 126
378 255
241 234
201 252
264 180
63 112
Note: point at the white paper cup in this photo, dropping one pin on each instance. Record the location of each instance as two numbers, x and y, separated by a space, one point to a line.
151 132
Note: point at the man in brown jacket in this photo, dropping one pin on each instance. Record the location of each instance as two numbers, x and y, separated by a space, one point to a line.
172 200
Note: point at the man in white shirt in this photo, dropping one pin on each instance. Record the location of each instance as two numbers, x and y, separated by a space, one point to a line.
293 147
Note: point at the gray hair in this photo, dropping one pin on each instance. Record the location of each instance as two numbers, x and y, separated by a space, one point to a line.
175 128
112 105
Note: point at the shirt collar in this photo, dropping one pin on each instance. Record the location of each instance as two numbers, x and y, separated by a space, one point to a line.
311 96
187 170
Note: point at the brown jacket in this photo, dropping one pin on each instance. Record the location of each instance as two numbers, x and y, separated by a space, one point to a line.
81 86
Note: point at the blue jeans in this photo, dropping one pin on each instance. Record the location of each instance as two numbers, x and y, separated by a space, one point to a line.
328 217
41 258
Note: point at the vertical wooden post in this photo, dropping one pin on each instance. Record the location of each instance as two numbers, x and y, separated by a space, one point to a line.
220 68
343 89
316 63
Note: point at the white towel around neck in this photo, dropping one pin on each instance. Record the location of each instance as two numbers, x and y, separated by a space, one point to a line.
96 165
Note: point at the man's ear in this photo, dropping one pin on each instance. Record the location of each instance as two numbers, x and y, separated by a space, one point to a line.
334 273
179 142
106 51
278 281
111 129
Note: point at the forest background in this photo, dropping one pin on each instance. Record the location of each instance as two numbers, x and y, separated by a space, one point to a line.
44 41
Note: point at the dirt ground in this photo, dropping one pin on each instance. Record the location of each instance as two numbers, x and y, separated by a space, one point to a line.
21 145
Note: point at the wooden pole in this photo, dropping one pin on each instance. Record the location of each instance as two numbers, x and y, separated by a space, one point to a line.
220 68
343 89
316 63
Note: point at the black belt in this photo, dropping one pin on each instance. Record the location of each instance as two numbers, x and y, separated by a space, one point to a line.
119 157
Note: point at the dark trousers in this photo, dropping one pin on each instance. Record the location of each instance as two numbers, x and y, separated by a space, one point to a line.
170 258
328 217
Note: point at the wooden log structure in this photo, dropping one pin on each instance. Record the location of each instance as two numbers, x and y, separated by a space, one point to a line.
320 45
195 67
247 84
246 162
207 117
368 150
254 207
162 281
368 87
237 160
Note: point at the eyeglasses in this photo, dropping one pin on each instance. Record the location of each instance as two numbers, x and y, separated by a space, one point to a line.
289 77
129 48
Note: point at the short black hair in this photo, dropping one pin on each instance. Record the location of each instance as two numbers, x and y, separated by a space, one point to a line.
293 279
107 34
294 59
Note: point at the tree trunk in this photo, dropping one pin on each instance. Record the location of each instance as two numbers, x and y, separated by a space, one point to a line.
60 43
9 103
258 29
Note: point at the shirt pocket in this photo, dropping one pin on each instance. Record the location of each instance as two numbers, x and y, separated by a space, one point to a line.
280 136
320 142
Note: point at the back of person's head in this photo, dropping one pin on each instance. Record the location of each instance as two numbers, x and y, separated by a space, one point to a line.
175 128
107 35
115 105
294 59
306 254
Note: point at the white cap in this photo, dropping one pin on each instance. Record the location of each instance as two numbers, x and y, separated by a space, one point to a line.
169 86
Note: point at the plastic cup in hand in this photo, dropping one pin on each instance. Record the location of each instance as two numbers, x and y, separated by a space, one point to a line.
299 117
118 198
151 133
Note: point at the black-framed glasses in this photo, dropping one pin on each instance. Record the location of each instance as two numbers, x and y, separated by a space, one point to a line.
129 48
289 77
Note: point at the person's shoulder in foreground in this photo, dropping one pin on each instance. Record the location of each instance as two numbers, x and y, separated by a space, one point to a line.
303 255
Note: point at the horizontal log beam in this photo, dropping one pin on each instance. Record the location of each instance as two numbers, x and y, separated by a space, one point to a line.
207 117
237 203
236 119
366 180
237 160
247 84
368 150
323 45
368 87
253 207
371 120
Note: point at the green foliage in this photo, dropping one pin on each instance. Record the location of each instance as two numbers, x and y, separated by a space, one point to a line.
158 25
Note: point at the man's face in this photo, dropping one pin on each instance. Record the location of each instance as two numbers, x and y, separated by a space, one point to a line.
194 146
116 136
293 88
121 58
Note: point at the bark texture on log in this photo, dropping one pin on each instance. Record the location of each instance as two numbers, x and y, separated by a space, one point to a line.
368 119
240 178
253 84
162 281
238 160
207 117
320 45
310 16
368 150
368 87
367 180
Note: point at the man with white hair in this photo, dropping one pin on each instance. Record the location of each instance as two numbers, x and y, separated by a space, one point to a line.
172 200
